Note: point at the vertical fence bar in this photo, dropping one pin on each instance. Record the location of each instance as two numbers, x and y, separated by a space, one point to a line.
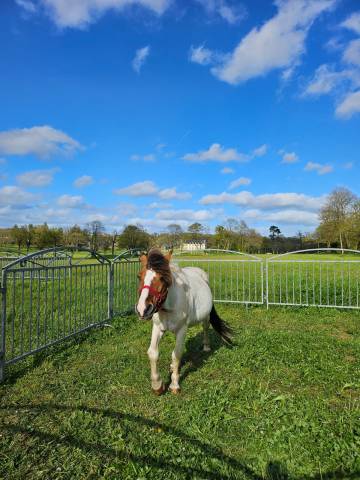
110 311
3 325
267 283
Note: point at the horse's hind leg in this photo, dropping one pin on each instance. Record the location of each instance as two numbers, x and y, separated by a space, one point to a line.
153 353
206 324
176 359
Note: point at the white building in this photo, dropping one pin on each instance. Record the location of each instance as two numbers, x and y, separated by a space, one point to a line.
193 245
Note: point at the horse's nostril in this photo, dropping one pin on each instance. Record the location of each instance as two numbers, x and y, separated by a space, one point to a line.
149 310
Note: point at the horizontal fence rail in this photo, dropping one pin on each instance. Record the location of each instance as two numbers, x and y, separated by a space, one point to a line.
52 295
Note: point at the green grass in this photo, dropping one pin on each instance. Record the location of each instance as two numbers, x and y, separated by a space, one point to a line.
283 403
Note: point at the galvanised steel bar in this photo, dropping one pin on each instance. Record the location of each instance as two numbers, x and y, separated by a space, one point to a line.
3 325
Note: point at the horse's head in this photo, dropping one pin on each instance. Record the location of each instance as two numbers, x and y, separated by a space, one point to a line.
154 281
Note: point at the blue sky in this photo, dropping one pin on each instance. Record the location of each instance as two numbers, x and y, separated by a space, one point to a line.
174 111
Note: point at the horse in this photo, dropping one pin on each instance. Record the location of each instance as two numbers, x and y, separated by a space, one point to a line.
175 299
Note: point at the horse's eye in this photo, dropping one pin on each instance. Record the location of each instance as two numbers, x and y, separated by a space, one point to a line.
138 276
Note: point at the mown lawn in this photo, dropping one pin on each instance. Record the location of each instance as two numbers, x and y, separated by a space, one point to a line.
283 403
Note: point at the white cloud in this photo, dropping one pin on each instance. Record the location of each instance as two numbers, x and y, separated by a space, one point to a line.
260 151
217 153
139 189
265 201
42 141
240 181
343 82
352 22
27 5
278 44
172 194
12 195
227 170
187 215
318 167
288 216
201 55
148 188
349 106
231 13
326 79
157 205
348 165
83 181
289 157
81 13
150 157
36 178
352 53
140 58
71 201
126 209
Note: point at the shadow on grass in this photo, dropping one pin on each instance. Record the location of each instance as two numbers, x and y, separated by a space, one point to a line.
194 356
54 352
274 470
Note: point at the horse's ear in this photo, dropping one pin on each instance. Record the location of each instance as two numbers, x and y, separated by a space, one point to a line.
169 255
143 259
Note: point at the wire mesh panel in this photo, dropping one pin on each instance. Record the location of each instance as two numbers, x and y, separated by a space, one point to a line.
322 282
44 305
232 280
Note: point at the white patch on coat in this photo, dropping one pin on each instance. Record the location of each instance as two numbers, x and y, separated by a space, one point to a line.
149 277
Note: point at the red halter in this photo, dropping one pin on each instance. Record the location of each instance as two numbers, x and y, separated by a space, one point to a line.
160 296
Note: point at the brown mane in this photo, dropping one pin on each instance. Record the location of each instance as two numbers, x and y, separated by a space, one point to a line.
160 264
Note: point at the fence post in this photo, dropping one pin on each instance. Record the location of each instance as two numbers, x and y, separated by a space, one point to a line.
111 291
3 326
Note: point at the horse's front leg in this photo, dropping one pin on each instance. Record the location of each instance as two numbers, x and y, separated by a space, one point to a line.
176 359
153 353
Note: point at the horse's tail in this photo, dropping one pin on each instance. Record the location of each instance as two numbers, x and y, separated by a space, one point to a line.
221 327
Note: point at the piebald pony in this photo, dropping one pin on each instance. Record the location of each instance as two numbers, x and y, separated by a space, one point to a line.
174 298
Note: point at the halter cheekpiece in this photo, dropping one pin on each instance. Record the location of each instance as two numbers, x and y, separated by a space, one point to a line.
160 296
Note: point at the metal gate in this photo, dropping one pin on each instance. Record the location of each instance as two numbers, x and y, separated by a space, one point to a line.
44 302
318 282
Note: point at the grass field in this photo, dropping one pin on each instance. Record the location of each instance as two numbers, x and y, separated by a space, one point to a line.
283 403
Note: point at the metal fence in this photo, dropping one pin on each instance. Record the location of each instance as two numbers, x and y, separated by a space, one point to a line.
294 280
235 278
51 295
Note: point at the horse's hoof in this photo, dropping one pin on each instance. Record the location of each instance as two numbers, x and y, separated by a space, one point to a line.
175 391
206 348
159 391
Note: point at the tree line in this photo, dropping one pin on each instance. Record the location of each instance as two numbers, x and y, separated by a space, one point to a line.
339 226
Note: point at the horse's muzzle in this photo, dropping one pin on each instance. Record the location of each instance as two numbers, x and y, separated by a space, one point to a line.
148 313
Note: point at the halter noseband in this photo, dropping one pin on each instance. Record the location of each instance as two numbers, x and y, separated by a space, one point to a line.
160 296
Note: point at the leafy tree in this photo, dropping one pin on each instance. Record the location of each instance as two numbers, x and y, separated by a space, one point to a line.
274 236
18 235
274 232
75 236
334 216
47 237
134 236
